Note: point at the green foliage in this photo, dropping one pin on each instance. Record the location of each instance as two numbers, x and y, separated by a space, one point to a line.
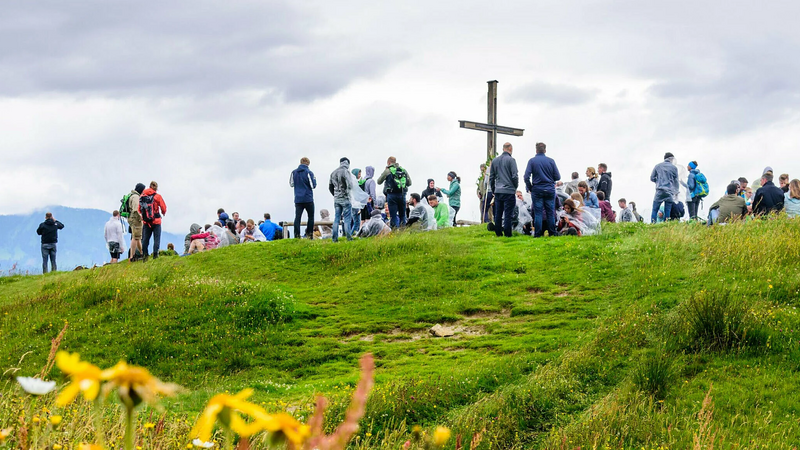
654 375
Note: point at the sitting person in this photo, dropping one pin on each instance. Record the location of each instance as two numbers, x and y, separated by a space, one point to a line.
606 213
791 202
325 231
440 211
375 226
589 198
187 241
523 222
422 213
625 213
730 207
230 230
204 241
170 251
269 228
567 226
251 233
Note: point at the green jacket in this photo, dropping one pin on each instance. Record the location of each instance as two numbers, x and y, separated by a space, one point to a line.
454 193
442 215
731 207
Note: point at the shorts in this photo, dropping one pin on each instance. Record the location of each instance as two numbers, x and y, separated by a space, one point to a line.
136 224
113 250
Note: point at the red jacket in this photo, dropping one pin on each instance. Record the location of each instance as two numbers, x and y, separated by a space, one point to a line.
158 201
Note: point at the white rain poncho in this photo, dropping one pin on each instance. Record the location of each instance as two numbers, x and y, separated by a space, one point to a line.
524 215
585 221
375 226
358 198
427 220
219 232
683 180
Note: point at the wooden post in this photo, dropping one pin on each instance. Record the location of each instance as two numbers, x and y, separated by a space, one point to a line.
491 137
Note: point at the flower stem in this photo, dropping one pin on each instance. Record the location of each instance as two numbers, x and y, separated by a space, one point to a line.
99 437
129 429
228 438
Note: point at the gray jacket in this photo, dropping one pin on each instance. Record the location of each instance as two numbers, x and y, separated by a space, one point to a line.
626 215
339 184
571 186
504 176
665 176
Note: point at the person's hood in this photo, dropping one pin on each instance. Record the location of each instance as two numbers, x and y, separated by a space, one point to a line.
607 173
148 191
194 229
50 221
370 171
345 164
302 167
429 182
224 217
324 213
694 171
139 188
355 172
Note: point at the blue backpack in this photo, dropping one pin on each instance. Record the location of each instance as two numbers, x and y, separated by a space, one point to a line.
701 186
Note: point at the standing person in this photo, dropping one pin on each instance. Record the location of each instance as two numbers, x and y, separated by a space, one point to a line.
135 223
304 183
152 208
625 213
453 193
355 218
397 183
665 176
339 186
572 186
697 186
484 194
115 236
371 188
769 198
540 180
592 179
504 179
792 199
269 228
605 181
48 230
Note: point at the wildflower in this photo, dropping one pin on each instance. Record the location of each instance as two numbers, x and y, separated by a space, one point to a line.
441 436
89 447
35 386
135 384
225 407
85 378
4 433
55 420
201 444
287 426
57 447
149 425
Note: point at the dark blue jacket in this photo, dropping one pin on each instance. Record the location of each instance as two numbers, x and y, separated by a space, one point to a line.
769 198
303 182
541 174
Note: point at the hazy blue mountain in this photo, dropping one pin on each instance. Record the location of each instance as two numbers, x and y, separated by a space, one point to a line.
80 243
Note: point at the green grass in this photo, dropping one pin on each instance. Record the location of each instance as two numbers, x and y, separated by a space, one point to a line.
612 340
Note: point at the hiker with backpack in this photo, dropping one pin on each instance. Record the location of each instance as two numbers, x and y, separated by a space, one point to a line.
130 207
697 185
152 209
48 230
115 236
397 181
453 193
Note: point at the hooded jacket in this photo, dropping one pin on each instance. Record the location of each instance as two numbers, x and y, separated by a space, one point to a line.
370 185
769 198
187 241
503 175
665 176
339 184
430 190
48 230
158 205
303 182
604 185
454 193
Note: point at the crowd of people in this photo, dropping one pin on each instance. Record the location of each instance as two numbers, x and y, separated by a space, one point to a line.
548 206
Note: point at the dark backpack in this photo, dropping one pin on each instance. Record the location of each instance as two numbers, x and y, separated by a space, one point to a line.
125 207
148 208
396 180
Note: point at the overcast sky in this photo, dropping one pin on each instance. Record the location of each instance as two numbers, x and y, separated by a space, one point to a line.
218 101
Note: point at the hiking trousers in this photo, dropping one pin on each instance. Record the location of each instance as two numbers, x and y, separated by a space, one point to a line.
308 207
342 212
693 206
504 213
397 209
544 213
49 253
153 231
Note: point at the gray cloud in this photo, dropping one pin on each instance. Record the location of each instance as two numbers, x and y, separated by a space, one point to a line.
552 94
189 48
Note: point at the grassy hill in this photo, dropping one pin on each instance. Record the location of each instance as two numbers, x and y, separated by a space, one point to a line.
611 341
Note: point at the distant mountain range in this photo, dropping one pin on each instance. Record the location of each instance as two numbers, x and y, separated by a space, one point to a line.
80 243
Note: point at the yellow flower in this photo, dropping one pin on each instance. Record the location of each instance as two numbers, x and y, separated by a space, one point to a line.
441 436
85 378
56 446
294 431
225 408
55 420
4 433
89 447
135 384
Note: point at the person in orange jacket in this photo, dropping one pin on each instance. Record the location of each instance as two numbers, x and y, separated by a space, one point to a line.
152 208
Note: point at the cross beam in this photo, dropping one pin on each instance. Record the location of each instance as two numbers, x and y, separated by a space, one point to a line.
491 128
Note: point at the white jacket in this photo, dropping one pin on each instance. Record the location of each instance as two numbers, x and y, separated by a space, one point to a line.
115 232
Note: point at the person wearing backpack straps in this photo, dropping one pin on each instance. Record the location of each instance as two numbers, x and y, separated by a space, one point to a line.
697 184
152 208
135 222
397 183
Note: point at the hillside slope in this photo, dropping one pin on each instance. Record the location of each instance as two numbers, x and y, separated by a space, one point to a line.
560 343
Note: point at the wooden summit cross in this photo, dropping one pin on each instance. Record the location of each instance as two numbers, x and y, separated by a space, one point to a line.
491 128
